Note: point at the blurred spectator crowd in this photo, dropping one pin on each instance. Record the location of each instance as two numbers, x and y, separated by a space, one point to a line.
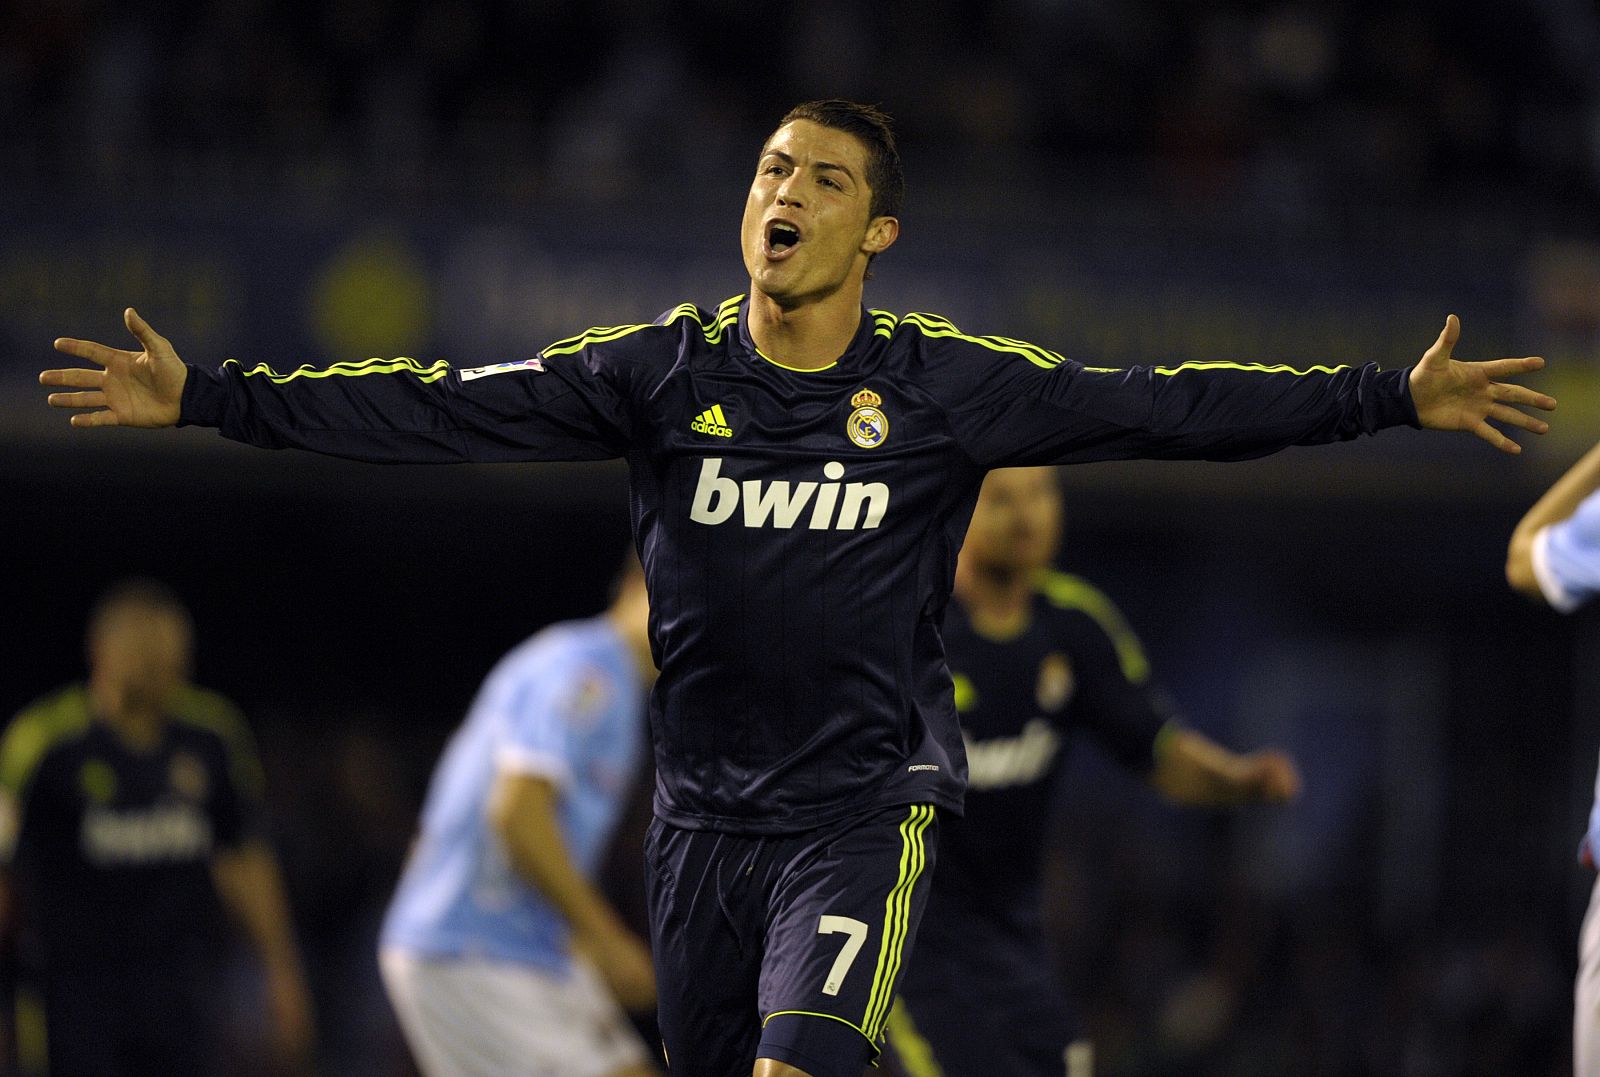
611 98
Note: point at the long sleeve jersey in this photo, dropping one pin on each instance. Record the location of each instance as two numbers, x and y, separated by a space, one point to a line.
798 528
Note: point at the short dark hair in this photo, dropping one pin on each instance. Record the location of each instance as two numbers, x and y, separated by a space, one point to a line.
876 131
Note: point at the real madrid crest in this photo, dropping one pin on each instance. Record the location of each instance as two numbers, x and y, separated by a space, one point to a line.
867 426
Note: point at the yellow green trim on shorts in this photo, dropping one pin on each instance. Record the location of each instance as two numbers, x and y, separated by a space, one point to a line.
897 918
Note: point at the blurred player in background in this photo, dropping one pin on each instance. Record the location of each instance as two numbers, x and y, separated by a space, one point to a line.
1037 656
130 804
1554 557
802 471
500 955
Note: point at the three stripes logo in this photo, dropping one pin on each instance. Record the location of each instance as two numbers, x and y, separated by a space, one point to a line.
713 422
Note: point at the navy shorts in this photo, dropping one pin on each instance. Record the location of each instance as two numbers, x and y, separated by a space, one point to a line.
980 997
784 946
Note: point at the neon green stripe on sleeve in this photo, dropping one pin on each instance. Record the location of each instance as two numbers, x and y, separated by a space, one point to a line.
1256 368
35 731
402 365
1074 593
934 326
727 314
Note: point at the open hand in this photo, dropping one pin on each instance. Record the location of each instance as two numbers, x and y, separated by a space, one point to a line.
1453 395
143 388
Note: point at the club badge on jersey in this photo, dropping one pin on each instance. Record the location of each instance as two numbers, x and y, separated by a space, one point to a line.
867 426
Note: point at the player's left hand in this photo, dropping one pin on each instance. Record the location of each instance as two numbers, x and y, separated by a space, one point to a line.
1453 395
1271 775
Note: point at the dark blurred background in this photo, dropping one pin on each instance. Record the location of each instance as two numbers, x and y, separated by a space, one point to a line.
1121 180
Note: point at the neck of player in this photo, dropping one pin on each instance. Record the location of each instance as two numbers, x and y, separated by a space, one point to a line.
807 335
997 598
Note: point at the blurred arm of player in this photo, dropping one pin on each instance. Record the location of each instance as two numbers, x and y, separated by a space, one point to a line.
8 968
1558 504
523 809
1452 395
1193 769
251 887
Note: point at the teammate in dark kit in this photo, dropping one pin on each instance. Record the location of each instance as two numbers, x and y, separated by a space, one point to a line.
802 470
128 806
1037 657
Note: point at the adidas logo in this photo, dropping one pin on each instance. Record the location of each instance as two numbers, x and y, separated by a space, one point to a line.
713 422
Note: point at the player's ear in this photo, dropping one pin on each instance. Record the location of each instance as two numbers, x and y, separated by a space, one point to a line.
881 234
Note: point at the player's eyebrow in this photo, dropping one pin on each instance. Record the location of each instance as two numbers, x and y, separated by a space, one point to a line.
819 165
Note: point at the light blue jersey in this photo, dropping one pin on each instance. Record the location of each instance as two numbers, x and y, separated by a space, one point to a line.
1566 557
1566 562
568 705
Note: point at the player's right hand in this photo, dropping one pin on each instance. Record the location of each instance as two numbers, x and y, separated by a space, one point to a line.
623 962
143 388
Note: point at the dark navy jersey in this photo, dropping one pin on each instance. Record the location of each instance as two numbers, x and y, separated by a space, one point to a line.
798 528
110 848
1076 668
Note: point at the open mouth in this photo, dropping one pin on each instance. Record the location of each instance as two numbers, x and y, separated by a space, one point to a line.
782 237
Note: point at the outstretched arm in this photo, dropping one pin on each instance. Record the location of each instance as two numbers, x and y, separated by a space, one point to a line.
1453 395
1193 769
142 388
1012 404
1558 503
574 407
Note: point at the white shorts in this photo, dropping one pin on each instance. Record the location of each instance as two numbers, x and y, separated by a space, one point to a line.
476 1018
1586 994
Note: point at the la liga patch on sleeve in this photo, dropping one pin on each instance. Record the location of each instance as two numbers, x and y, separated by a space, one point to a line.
472 373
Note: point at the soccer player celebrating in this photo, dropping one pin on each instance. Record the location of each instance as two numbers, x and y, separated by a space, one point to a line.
1554 557
497 951
1036 656
124 804
802 471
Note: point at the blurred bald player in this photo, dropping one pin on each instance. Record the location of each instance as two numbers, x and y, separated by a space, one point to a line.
1037 657
128 806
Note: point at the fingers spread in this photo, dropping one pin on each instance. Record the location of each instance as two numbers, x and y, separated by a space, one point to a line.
77 400
1520 394
1446 343
141 329
73 378
1496 438
1500 413
88 349
1510 368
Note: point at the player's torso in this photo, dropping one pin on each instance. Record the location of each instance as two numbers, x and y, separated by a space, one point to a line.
799 531
116 844
106 807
